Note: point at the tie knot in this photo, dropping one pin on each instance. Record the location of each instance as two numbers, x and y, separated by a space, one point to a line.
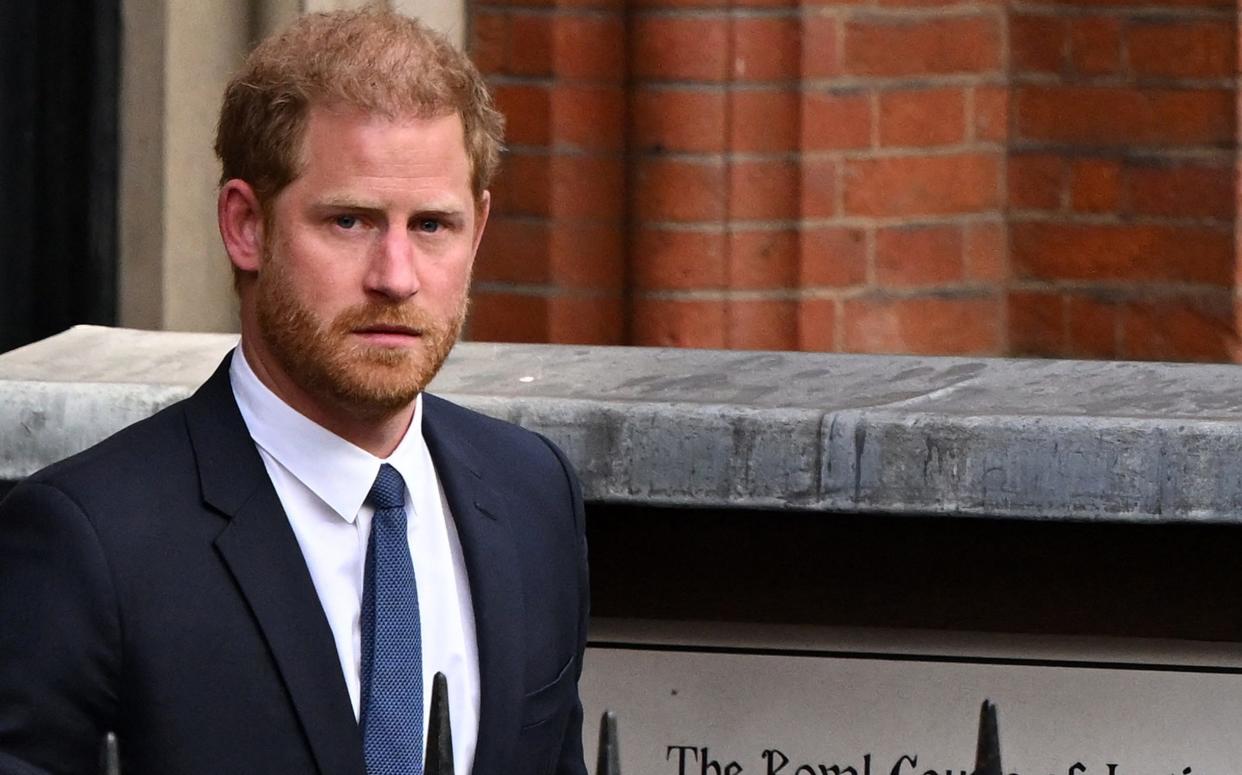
388 492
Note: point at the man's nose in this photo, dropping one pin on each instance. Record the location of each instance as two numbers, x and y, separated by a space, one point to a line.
393 272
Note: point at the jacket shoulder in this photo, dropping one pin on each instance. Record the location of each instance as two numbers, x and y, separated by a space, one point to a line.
136 456
484 432
519 459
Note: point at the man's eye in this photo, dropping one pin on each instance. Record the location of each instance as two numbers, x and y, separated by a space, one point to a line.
428 225
346 221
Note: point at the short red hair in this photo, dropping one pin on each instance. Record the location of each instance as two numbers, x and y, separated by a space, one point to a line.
376 60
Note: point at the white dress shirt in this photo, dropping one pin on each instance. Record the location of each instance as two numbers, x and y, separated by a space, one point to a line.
322 481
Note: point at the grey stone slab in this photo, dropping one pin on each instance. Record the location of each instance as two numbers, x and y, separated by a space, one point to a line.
1037 439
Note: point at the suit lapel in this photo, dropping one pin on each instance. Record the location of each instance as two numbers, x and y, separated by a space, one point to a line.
495 584
262 553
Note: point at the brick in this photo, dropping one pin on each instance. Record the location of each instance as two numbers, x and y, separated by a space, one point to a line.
1162 5
1186 190
914 256
904 4
586 320
817 325
820 50
768 324
922 46
1235 348
523 186
763 259
1038 44
1036 181
991 119
763 190
1121 116
1095 45
588 118
507 43
832 256
516 4
922 117
588 254
605 5
1128 252
1178 330
711 4
588 47
818 188
1095 185
986 252
1091 327
766 48
667 259
1062 325
662 322
527 110
1036 323
698 5
678 119
966 325
917 185
514 251
677 4
587 186
677 49
678 190
489 41
508 317
1183 49
531 45
832 121
763 121
763 4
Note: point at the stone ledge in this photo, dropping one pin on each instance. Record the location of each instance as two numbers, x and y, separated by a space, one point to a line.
1035 439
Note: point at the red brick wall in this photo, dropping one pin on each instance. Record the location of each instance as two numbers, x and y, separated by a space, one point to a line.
1121 179
882 176
552 267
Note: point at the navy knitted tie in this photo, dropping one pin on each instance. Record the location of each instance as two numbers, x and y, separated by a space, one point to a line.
392 661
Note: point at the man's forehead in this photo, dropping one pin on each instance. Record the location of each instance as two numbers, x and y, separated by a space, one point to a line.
337 137
351 160
336 111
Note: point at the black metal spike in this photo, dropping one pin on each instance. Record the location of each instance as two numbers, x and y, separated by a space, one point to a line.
609 760
109 756
987 753
439 759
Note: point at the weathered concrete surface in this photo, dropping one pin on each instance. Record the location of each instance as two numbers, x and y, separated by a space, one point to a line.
917 435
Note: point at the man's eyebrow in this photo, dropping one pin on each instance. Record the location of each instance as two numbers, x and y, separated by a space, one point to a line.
343 202
440 211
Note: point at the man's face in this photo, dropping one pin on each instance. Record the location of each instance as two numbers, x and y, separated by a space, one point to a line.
363 286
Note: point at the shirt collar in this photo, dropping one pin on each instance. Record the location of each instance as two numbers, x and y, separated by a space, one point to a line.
337 471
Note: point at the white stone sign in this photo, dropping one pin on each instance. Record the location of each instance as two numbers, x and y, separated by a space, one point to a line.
696 700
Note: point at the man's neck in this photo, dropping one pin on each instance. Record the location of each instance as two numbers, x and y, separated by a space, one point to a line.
379 435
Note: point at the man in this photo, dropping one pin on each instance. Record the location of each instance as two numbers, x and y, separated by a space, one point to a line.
263 578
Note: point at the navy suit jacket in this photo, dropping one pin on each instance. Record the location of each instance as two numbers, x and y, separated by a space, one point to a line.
152 585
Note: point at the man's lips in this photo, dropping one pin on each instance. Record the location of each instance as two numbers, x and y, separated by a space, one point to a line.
384 334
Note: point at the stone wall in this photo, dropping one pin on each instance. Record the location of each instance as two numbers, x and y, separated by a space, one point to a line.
773 431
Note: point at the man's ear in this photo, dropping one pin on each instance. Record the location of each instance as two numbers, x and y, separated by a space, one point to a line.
241 224
481 210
